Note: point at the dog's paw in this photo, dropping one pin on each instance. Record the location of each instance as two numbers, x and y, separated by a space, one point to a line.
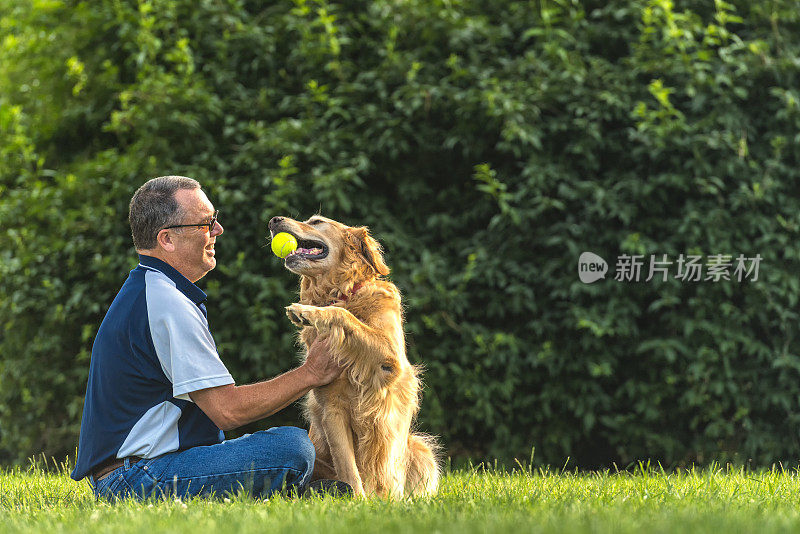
299 314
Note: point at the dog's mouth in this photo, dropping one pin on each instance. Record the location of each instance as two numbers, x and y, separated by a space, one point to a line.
309 249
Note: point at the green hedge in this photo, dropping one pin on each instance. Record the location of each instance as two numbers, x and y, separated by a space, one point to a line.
487 145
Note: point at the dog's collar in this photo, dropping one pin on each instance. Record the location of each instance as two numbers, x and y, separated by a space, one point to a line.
344 298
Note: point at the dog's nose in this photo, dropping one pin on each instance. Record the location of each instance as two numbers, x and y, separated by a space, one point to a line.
275 221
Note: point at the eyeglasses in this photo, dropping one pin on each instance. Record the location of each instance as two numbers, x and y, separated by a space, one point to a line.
210 224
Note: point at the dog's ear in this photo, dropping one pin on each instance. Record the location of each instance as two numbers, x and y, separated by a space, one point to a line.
370 249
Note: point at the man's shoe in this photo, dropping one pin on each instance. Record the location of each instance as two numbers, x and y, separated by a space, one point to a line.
326 486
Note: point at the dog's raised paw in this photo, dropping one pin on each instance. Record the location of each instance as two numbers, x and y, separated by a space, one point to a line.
295 314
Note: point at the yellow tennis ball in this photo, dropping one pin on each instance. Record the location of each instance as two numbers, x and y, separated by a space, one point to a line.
283 244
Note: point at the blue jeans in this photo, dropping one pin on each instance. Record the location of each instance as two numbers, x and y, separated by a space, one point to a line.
262 463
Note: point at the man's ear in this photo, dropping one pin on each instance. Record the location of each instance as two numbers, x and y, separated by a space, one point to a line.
165 241
370 249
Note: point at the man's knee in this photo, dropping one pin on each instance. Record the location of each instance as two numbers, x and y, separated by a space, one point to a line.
295 446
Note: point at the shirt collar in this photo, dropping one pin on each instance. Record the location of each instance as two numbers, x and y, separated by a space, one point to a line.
194 293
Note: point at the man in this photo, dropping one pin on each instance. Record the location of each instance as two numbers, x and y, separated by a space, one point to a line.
159 396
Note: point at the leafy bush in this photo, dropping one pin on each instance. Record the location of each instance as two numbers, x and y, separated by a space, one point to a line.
486 146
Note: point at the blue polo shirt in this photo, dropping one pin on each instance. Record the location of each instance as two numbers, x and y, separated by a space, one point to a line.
153 348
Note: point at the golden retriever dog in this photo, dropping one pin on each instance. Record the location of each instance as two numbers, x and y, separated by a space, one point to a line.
361 423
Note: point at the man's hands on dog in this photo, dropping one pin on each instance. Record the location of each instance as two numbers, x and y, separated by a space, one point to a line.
320 365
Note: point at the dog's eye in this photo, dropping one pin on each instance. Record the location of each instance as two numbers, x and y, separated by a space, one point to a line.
315 222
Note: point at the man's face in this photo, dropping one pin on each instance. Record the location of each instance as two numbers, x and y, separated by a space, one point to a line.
194 246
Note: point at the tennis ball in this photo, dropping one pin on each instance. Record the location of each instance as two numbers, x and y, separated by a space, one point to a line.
283 244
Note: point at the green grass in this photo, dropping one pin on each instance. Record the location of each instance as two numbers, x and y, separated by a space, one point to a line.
711 500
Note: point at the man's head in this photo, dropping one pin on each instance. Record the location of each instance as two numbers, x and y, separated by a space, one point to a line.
170 201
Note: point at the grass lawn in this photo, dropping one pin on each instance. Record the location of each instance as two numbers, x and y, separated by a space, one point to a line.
714 500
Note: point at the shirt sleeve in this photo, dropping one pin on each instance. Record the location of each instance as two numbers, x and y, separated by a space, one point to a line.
183 342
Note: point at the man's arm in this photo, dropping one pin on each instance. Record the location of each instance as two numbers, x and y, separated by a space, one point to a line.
232 406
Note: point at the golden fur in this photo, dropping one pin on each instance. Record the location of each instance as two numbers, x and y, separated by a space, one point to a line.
360 424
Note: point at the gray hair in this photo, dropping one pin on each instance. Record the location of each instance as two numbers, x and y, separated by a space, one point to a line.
153 207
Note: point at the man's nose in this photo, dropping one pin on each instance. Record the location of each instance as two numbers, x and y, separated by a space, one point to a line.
218 229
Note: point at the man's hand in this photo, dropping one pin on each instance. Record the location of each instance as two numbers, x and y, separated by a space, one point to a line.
320 366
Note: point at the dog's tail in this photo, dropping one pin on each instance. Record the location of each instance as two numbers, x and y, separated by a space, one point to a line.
422 477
